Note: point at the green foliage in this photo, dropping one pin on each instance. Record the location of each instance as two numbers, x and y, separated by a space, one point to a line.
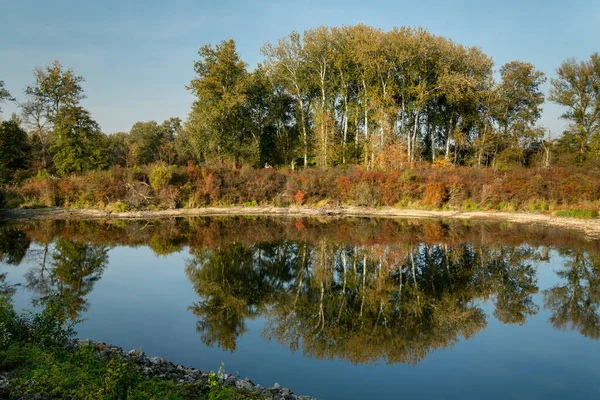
583 214
149 142
119 206
577 88
78 145
160 176
217 122
55 88
14 149
10 198
216 391
48 329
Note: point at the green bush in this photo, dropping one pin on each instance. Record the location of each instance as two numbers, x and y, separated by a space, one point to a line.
161 176
583 214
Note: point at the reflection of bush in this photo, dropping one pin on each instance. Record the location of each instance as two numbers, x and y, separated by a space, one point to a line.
163 246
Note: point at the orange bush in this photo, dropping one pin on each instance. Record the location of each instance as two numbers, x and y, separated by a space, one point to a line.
299 197
435 194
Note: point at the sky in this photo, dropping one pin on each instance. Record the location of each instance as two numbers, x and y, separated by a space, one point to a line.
137 55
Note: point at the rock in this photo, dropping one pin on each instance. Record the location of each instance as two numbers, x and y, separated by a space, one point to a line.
276 386
156 360
135 353
230 381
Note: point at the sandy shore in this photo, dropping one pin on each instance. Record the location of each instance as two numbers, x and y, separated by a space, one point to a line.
590 228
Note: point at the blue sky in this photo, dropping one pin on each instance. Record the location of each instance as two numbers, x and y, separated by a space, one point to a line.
137 56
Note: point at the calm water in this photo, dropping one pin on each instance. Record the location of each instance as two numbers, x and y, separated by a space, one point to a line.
338 309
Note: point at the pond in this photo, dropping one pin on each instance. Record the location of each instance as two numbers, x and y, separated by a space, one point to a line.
334 308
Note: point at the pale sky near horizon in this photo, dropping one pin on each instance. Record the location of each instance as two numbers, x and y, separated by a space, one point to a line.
137 56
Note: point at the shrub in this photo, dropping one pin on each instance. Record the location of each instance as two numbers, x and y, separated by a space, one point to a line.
167 197
119 206
435 194
43 189
583 214
365 195
10 198
299 197
160 176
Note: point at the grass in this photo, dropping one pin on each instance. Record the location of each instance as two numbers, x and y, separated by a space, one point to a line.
37 353
582 214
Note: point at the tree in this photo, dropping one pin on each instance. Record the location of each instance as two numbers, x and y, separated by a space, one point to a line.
577 88
55 87
144 142
14 149
78 145
271 114
36 117
285 63
4 95
519 101
217 122
517 107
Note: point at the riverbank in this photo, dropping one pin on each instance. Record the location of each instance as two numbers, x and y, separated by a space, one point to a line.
589 227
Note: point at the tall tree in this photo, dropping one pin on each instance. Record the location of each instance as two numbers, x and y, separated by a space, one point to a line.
286 62
577 88
56 87
14 149
78 144
217 122
519 102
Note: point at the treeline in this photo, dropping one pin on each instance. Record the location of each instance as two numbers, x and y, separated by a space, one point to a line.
353 95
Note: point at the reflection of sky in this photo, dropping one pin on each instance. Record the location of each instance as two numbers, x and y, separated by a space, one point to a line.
142 301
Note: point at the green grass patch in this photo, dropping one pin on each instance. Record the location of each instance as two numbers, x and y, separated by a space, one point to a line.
582 214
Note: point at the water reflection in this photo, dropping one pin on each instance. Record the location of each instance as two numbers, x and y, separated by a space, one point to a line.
575 303
355 290
392 302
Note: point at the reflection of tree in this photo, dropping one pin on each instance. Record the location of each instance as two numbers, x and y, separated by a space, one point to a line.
362 304
232 286
514 282
73 270
576 303
13 246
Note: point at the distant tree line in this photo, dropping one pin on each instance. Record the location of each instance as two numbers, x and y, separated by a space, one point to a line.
326 97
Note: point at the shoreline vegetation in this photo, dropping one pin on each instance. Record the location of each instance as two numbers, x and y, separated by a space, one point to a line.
589 227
